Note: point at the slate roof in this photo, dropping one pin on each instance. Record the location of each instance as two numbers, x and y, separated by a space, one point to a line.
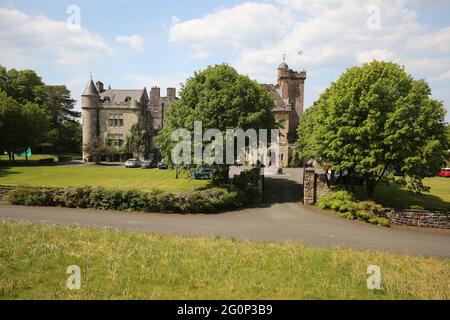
119 96
90 90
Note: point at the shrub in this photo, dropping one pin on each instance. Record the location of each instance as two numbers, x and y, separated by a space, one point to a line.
204 201
31 196
346 206
249 186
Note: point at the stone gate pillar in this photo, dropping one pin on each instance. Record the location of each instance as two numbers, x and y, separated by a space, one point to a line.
309 186
315 186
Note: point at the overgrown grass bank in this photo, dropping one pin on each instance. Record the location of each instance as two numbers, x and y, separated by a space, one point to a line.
126 265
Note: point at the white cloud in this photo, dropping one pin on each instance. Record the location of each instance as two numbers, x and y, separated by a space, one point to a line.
250 25
444 76
35 40
376 54
135 41
333 36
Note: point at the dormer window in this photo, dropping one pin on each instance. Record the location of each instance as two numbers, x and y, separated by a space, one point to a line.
107 99
127 99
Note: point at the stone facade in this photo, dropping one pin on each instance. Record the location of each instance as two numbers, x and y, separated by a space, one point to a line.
109 114
419 218
315 186
289 103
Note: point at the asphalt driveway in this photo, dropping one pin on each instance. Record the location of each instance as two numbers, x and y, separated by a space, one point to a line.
276 223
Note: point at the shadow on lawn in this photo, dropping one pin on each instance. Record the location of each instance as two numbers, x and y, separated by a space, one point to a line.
395 196
4 171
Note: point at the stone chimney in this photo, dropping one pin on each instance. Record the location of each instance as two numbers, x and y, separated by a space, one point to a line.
155 94
171 93
99 86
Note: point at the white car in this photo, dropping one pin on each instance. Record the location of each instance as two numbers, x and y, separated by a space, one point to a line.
133 163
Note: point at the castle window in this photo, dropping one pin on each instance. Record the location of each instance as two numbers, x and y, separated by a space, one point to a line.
115 140
107 99
115 120
127 99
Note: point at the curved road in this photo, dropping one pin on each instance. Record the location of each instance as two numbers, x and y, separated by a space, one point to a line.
277 223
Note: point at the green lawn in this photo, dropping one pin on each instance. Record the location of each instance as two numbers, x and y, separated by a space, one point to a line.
108 177
4 160
128 265
396 196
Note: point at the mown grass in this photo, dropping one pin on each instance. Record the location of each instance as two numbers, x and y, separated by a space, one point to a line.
395 196
93 175
127 265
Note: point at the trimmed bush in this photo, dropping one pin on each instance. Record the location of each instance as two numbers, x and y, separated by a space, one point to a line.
202 201
346 206
249 186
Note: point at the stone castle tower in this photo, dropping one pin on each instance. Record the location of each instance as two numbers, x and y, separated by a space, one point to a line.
289 99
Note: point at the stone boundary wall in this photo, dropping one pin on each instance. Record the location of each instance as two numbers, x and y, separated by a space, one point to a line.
314 187
419 218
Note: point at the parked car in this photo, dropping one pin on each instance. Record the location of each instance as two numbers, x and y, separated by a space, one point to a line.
445 172
133 163
202 173
344 178
162 165
147 164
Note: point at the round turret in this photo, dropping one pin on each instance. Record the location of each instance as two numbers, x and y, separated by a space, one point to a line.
283 66
90 100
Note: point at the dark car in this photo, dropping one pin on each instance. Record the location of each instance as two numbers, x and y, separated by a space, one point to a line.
344 178
202 173
147 164
162 165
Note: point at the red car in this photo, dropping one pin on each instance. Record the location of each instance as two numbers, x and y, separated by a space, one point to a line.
445 172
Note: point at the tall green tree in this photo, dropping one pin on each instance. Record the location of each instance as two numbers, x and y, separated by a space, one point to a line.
135 141
221 99
22 85
376 119
25 86
65 130
21 126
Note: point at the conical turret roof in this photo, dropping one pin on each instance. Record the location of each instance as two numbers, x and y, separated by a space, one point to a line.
90 90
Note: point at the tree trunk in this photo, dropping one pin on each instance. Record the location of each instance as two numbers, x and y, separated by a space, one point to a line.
370 187
352 181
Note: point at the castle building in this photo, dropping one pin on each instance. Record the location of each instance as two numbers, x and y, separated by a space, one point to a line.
109 115
289 99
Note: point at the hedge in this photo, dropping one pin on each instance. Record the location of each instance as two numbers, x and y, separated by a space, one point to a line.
200 201
343 203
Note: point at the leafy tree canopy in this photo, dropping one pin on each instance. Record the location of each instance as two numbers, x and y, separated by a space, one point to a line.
64 131
221 99
374 120
21 126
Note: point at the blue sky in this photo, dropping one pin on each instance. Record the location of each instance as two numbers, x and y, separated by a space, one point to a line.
132 44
